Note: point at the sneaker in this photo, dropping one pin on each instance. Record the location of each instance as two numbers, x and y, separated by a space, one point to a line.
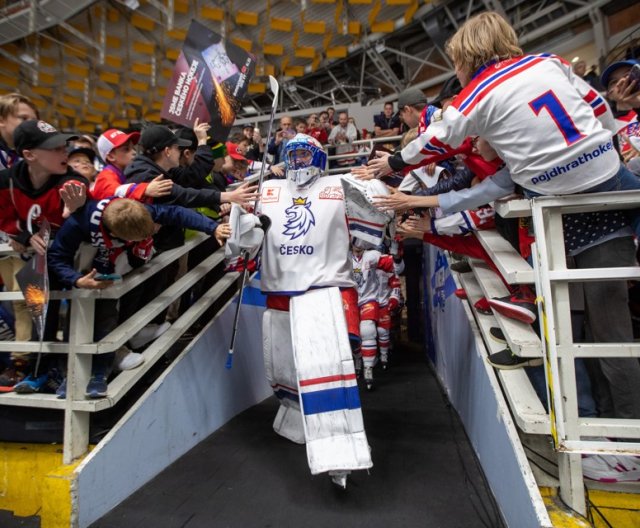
97 386
12 375
148 334
368 377
460 267
507 360
127 360
460 293
497 335
54 381
611 468
30 385
482 307
516 307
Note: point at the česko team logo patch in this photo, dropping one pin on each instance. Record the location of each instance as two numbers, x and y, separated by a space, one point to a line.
46 127
299 218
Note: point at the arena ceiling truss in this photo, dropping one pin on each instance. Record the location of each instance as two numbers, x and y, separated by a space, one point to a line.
93 64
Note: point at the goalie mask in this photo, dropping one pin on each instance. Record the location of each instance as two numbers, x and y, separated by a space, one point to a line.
305 160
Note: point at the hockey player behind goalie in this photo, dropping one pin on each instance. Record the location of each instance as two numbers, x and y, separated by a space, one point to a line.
366 261
311 323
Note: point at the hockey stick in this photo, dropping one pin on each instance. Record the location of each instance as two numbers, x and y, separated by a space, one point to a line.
275 90
236 318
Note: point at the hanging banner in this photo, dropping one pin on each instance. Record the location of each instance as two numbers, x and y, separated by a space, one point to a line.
209 81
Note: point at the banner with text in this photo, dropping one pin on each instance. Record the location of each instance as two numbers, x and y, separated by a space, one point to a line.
209 80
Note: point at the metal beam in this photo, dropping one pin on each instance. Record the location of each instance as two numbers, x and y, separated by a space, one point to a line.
561 22
600 34
165 10
417 59
13 58
313 92
339 85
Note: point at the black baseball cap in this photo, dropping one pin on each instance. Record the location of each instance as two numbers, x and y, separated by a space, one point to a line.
189 135
450 88
36 133
411 97
90 153
157 137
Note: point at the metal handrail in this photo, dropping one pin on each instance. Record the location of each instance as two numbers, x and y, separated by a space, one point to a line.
81 347
552 280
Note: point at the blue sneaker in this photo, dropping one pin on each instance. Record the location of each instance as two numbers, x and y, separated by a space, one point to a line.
30 385
97 386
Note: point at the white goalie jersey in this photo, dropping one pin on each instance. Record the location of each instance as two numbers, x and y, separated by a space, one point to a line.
308 235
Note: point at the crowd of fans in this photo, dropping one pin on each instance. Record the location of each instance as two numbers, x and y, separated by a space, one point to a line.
126 196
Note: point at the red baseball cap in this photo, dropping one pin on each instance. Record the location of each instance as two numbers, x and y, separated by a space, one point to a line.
114 138
232 150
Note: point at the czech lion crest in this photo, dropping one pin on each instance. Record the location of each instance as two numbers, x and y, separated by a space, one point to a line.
299 218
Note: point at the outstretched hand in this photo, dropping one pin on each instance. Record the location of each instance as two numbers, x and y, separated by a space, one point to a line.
396 201
74 196
380 164
363 172
403 230
158 187
222 232
244 194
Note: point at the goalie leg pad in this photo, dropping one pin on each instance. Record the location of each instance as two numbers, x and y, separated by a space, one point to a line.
281 374
329 397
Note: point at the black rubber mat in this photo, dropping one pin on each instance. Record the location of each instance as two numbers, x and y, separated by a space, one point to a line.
244 475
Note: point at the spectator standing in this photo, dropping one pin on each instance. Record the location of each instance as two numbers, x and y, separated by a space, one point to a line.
280 139
331 116
256 148
386 123
316 130
15 108
342 136
624 111
42 177
591 77
324 122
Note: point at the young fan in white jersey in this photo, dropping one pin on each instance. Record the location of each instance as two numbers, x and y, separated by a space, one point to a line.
552 130
554 133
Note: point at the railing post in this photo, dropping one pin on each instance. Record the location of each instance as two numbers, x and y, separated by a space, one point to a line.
558 327
76 423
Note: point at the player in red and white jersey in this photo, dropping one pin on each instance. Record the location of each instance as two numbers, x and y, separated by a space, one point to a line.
552 130
365 264
388 300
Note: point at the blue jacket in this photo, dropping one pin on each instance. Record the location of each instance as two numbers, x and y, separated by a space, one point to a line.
85 225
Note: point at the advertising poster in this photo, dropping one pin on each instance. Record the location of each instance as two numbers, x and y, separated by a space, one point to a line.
209 81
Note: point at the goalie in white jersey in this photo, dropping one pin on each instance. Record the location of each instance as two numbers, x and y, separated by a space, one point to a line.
311 323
